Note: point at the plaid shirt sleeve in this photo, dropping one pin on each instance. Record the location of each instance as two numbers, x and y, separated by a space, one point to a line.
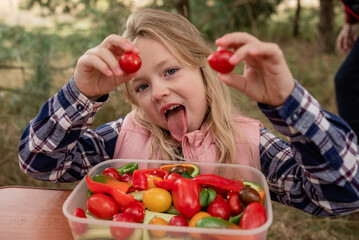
317 171
58 145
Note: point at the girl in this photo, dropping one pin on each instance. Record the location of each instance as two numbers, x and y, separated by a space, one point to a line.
181 111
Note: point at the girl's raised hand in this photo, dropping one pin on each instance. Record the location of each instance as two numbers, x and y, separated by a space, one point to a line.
98 72
266 77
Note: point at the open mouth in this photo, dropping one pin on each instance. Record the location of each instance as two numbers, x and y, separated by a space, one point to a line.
173 107
176 119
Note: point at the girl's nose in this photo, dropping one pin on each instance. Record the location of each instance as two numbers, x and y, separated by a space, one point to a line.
159 91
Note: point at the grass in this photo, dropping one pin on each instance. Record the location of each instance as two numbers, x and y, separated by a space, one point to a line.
291 224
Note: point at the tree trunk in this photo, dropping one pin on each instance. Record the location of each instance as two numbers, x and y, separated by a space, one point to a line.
182 7
296 20
325 27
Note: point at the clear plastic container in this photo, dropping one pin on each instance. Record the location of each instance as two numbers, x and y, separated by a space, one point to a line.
100 229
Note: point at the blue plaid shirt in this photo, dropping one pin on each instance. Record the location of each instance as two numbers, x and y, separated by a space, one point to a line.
316 172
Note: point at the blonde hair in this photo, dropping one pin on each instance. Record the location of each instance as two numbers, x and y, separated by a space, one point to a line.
186 43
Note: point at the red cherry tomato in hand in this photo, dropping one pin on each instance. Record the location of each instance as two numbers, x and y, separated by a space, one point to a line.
219 61
79 228
137 209
130 62
102 206
120 233
112 172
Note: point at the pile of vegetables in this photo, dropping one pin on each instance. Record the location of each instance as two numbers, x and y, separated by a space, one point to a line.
174 194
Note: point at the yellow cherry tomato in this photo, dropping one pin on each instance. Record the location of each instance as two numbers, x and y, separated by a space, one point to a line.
157 199
158 233
150 183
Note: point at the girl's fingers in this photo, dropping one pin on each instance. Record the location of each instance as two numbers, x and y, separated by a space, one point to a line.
94 62
235 40
233 80
118 44
108 58
252 52
247 47
269 51
241 53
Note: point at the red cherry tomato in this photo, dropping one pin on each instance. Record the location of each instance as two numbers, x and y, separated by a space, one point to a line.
173 176
112 172
137 209
234 203
79 228
219 208
219 61
130 62
120 233
178 221
102 206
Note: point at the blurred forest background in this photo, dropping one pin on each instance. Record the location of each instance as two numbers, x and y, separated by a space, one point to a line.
41 40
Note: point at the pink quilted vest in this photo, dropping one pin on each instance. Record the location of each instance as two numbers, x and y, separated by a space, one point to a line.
134 142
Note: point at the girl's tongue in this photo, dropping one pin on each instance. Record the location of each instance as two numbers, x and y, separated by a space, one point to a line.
177 123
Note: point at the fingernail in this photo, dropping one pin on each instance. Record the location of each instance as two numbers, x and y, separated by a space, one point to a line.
219 40
233 59
109 72
118 71
127 46
254 50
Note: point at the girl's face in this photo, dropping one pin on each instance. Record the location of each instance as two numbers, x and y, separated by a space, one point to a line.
171 94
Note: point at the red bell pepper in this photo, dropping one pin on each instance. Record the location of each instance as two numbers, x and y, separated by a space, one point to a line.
168 181
217 182
219 208
254 216
185 196
112 172
165 184
157 172
120 197
139 180
111 181
173 176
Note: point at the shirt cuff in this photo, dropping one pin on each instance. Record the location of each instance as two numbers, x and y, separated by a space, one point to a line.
297 114
76 104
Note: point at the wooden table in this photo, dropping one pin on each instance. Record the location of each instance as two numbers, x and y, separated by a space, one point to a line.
33 213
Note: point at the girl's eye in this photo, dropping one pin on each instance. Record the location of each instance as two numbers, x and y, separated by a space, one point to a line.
141 87
171 71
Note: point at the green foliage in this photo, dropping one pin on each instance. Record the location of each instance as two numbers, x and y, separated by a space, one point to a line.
215 18
219 17
51 5
279 27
